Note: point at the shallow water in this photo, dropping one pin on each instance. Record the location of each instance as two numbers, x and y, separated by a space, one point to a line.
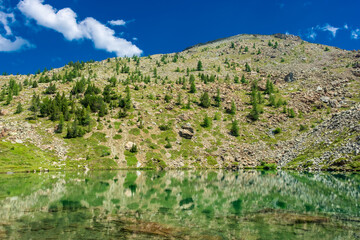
180 205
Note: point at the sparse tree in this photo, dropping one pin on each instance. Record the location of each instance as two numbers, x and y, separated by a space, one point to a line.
205 100
199 66
19 108
235 131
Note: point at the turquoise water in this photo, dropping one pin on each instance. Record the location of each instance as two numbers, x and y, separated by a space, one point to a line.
180 205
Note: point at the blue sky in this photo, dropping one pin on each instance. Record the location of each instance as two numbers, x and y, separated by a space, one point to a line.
35 34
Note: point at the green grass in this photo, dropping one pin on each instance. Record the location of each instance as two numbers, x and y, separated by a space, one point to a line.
117 125
101 137
135 131
131 159
21 157
117 136
211 161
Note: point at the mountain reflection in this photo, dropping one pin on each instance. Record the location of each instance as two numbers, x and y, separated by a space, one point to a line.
179 204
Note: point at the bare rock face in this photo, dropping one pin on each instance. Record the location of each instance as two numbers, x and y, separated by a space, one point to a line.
290 77
287 36
186 131
129 145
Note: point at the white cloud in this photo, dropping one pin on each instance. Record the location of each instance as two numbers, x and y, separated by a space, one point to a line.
65 22
10 44
312 33
346 26
103 38
331 29
4 17
6 45
117 22
355 34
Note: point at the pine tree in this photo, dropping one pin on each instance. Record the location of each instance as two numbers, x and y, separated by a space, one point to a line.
19 108
247 67
269 87
236 79
199 66
232 110
60 126
255 113
9 97
206 122
235 131
218 98
35 84
192 87
205 100
243 80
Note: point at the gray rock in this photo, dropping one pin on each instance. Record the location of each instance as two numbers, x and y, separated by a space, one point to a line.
184 133
290 77
325 99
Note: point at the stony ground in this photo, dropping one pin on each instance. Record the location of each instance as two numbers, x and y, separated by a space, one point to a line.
320 83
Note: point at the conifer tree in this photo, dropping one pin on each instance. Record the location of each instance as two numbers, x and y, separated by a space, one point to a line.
206 122
199 66
235 128
205 100
217 98
60 126
192 87
19 108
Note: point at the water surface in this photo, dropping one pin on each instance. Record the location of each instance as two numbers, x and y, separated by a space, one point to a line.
180 205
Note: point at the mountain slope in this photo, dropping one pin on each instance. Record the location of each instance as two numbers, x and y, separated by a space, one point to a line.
263 93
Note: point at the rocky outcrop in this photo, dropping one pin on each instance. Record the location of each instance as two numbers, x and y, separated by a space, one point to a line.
289 77
332 144
186 131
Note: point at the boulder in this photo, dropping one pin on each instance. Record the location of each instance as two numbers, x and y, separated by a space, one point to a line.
188 127
184 133
325 99
290 77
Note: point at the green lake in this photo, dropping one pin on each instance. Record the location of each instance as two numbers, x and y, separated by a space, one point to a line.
180 205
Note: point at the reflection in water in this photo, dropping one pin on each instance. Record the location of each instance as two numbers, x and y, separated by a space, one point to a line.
180 204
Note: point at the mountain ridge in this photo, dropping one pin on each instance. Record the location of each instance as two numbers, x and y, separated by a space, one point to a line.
235 102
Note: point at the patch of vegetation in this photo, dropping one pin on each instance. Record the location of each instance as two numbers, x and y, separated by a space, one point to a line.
135 131
117 136
130 158
211 160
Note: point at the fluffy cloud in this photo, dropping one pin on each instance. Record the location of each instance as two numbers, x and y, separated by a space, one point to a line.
6 45
65 22
117 22
331 29
104 38
355 34
4 17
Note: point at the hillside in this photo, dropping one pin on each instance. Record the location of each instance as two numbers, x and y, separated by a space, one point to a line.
239 102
